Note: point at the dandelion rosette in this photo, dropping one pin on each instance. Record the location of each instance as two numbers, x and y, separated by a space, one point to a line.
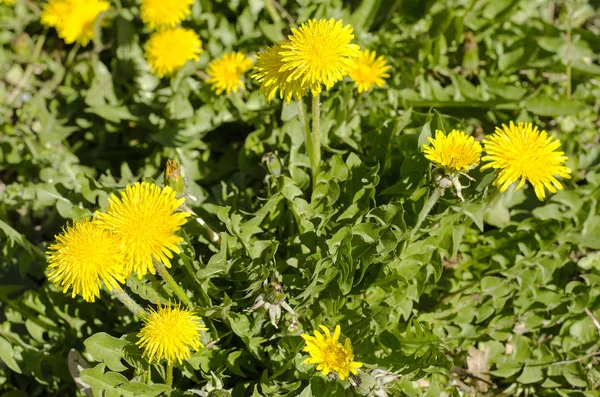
225 73
74 20
164 14
369 70
319 52
329 354
83 256
455 152
145 221
169 50
523 152
170 333
267 72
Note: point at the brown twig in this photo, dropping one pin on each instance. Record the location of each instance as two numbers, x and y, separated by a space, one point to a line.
284 12
594 319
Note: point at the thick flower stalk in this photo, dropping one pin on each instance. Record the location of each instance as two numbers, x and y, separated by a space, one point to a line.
84 256
165 14
368 70
145 221
167 51
225 73
329 354
170 333
74 20
267 72
523 153
318 53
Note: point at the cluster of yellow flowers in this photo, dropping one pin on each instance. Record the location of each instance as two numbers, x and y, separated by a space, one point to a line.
319 52
137 233
520 151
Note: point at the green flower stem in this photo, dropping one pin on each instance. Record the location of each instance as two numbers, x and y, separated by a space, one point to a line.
129 303
308 136
433 198
169 379
316 136
162 270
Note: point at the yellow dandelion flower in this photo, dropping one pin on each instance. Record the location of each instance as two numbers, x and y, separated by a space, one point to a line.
455 152
78 22
523 152
170 333
329 354
225 73
319 52
54 11
84 255
267 73
368 70
164 14
145 222
169 50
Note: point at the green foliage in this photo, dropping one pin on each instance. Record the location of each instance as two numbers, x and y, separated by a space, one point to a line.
499 294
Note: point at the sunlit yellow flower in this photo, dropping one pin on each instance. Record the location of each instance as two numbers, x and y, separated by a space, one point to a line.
225 73
169 50
7 1
170 333
78 21
84 255
319 52
164 14
54 11
145 222
523 152
455 152
329 354
367 70
267 73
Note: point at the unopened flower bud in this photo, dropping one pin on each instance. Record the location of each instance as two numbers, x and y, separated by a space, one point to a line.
173 177
271 161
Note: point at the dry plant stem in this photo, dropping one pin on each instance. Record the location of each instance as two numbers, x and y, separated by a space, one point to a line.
316 136
169 379
202 75
162 270
285 14
213 236
129 303
594 319
272 12
427 207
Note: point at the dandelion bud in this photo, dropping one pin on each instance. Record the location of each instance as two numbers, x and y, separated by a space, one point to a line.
271 161
275 292
173 177
219 393
470 62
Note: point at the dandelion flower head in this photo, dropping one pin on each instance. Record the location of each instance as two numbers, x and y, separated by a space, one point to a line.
455 152
170 333
368 70
145 221
83 256
54 11
74 20
522 152
319 52
169 50
164 14
267 73
226 72
329 354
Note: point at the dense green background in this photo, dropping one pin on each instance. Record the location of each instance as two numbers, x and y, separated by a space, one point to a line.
502 283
